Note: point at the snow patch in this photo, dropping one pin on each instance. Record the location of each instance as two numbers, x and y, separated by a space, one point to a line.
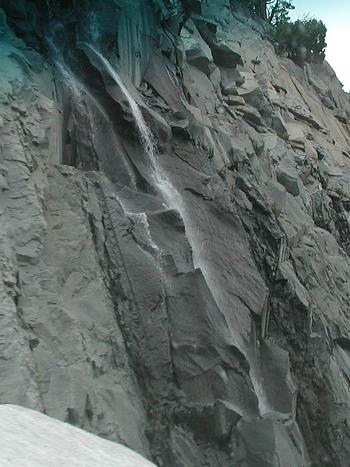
31 439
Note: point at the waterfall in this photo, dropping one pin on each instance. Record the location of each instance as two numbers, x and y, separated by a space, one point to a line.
145 134
170 194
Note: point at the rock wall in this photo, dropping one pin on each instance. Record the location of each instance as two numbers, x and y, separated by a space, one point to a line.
192 305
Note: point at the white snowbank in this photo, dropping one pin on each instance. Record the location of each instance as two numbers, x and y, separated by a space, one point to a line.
31 439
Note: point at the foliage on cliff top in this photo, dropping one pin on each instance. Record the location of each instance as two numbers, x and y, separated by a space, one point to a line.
273 11
302 41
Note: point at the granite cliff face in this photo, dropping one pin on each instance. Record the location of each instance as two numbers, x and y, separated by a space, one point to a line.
174 233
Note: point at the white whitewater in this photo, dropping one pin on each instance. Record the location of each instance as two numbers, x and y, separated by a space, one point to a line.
174 201
145 133
31 439
171 196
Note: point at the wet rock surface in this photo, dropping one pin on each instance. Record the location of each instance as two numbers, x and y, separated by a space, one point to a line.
185 293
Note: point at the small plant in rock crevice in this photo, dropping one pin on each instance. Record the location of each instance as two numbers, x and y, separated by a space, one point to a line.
276 210
341 192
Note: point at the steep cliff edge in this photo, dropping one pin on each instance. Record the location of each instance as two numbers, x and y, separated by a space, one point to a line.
174 233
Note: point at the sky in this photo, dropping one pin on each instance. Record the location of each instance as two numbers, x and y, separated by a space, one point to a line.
336 16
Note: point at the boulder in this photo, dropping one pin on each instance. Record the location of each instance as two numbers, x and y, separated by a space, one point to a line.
215 78
296 134
287 176
277 195
249 85
234 100
197 51
230 79
261 446
178 121
279 125
311 152
342 117
250 114
225 49
294 287
300 112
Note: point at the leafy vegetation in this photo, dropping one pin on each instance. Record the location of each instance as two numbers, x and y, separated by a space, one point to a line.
273 11
277 210
341 192
303 40
278 11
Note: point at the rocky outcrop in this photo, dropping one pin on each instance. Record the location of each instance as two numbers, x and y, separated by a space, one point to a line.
174 233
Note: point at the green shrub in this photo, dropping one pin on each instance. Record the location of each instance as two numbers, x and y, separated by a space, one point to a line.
278 11
273 11
303 40
341 192
276 209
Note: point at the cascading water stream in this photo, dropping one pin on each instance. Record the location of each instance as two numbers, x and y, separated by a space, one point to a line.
171 196
145 133
174 201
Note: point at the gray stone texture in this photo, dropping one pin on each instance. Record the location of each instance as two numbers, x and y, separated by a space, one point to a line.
202 318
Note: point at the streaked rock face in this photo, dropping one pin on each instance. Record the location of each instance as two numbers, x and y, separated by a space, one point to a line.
192 304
